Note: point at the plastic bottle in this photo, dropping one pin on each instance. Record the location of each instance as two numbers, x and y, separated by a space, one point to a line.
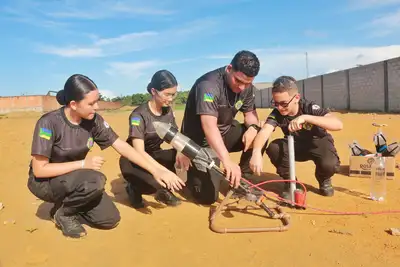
378 178
357 150
380 142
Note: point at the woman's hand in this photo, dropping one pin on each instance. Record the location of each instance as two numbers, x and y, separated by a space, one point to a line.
169 180
182 162
94 163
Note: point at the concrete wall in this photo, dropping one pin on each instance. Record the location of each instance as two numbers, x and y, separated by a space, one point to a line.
373 87
40 103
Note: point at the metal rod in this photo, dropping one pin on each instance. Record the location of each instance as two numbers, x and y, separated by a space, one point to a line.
292 166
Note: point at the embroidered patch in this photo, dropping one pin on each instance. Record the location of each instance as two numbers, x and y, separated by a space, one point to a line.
238 104
135 121
307 126
208 97
315 107
45 133
106 125
90 142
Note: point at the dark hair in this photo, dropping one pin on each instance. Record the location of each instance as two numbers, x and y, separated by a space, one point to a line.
161 80
284 84
246 62
75 89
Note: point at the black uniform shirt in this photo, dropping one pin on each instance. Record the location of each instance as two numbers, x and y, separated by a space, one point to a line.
308 131
141 126
210 95
56 138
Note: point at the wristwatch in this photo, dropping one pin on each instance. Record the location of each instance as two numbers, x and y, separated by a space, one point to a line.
255 126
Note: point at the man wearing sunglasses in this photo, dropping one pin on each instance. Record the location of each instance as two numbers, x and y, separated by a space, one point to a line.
213 102
309 124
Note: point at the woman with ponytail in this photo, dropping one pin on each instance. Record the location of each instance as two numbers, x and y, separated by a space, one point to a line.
60 171
143 137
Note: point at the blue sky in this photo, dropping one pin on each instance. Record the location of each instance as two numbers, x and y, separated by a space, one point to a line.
121 43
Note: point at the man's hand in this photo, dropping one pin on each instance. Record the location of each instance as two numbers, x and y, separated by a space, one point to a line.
168 180
182 162
248 138
297 123
256 162
233 172
94 163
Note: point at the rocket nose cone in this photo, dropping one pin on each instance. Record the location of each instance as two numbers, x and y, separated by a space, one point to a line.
161 128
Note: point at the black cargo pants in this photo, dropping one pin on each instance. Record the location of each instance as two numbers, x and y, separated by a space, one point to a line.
140 178
320 150
204 186
82 193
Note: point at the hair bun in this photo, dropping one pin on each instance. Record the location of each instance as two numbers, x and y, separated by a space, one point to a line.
61 98
149 87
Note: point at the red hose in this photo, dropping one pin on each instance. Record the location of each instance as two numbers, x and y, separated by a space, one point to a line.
310 207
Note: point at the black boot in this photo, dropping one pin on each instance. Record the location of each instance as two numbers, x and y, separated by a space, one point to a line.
69 223
135 197
167 197
326 188
53 211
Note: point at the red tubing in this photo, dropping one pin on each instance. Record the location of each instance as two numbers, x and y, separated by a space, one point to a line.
310 207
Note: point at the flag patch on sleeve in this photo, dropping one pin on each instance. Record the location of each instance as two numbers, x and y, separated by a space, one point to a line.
45 133
135 121
208 97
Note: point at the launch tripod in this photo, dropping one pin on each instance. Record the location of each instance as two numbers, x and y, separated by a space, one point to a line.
254 195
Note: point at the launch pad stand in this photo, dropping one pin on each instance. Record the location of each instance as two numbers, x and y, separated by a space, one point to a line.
258 200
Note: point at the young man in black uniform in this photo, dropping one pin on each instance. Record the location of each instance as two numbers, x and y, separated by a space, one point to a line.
143 137
60 172
308 123
211 107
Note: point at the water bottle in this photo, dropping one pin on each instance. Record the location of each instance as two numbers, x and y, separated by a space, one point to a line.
391 150
380 142
378 178
357 150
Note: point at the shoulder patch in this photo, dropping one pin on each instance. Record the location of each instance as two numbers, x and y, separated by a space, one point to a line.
90 143
208 97
45 133
135 121
238 104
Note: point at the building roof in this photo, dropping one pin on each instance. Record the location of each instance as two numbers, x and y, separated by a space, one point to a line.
262 85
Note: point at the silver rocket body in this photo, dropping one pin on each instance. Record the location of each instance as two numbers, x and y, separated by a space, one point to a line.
203 158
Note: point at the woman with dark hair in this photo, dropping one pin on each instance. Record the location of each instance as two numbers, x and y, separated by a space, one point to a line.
143 137
60 171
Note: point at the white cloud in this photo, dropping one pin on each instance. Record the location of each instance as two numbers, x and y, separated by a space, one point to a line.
132 70
71 51
107 93
385 24
126 43
292 61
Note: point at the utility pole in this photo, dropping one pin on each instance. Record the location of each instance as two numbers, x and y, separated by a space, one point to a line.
307 63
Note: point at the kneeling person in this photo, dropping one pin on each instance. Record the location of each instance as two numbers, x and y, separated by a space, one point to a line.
60 171
143 137
308 123
212 104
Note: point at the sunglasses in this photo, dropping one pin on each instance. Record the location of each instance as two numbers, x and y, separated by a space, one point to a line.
282 104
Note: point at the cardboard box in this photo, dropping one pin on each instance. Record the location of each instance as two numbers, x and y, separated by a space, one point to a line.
361 166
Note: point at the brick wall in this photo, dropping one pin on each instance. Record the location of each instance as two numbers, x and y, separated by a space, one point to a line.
372 87
40 103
